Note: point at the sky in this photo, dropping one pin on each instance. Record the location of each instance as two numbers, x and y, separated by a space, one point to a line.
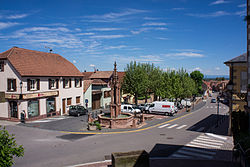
172 34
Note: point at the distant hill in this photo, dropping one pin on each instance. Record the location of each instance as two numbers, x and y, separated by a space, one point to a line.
216 76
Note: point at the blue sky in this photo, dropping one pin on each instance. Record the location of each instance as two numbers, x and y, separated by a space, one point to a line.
193 34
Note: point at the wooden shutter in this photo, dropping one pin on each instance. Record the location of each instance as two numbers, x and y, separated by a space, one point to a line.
80 82
63 83
14 84
75 82
70 83
28 84
9 84
49 83
57 83
38 84
2 65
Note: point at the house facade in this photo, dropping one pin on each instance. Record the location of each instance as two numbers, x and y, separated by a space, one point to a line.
37 84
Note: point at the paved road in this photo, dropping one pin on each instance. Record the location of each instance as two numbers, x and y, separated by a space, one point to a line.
56 149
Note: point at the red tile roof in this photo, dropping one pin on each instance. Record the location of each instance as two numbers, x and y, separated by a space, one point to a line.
101 75
99 82
36 63
87 84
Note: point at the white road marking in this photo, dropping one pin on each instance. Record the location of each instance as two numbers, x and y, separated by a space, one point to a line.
162 126
90 163
202 144
172 126
211 140
216 136
180 127
180 156
195 154
199 150
207 142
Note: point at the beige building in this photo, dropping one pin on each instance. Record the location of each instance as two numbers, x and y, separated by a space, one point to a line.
38 84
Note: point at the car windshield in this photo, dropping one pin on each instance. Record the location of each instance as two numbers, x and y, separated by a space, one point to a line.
73 107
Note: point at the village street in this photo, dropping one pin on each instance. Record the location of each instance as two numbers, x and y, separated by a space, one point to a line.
57 148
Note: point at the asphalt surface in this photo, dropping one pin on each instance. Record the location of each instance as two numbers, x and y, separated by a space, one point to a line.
55 149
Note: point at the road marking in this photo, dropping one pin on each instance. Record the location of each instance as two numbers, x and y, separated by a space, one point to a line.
207 142
211 140
202 144
182 126
172 126
179 156
163 126
90 163
211 107
199 150
216 136
195 154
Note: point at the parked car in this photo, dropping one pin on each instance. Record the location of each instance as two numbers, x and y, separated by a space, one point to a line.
129 109
77 110
213 100
167 108
185 103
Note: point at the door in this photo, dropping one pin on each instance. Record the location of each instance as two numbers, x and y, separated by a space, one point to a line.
96 101
13 109
63 106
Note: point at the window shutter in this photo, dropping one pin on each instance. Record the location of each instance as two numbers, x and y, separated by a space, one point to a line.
37 84
14 84
28 84
57 83
75 82
49 83
9 83
80 82
63 83
2 65
70 83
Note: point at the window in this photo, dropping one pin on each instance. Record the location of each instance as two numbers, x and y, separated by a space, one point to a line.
77 83
1 66
11 85
69 101
53 83
33 108
50 104
33 84
78 99
107 94
66 83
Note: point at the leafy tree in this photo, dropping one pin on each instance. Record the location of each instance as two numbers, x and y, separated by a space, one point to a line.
8 148
135 80
197 76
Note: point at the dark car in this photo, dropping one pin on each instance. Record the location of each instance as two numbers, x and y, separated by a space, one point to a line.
77 110
213 100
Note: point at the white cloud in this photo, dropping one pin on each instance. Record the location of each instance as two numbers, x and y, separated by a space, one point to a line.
92 65
4 25
77 29
214 14
87 33
184 54
154 24
114 17
33 29
107 36
162 38
241 13
115 47
146 29
178 8
17 16
217 68
74 61
104 29
242 5
197 69
219 2
150 18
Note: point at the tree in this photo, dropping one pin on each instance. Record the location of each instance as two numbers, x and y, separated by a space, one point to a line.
135 80
197 76
8 148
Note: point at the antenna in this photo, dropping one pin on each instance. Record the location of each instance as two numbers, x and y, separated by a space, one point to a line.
50 49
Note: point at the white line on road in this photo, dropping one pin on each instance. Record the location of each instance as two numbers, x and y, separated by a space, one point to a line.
211 140
207 142
90 163
202 144
216 136
180 127
172 126
162 126
199 150
197 146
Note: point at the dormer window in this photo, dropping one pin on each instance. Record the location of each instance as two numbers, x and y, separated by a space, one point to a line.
1 66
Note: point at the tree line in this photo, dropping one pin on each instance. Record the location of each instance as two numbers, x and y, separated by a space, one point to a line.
142 79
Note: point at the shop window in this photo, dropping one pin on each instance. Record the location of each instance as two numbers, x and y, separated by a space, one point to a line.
107 94
69 101
78 99
50 104
1 66
11 85
13 109
33 108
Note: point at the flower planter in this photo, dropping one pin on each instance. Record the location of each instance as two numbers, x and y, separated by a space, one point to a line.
92 127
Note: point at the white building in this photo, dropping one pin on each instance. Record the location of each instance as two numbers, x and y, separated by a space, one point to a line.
37 83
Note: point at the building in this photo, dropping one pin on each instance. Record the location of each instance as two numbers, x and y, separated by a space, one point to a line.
238 78
38 84
87 93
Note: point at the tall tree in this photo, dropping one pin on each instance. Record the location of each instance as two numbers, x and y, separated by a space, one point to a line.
197 76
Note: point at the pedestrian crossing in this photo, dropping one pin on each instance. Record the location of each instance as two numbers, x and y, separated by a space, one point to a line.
170 126
50 119
202 147
216 107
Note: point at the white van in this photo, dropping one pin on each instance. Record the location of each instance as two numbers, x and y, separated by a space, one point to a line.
128 108
165 107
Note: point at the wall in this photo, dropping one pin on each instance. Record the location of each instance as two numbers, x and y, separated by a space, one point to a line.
88 95
105 101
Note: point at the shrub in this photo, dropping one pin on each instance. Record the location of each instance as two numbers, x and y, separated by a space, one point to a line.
8 148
